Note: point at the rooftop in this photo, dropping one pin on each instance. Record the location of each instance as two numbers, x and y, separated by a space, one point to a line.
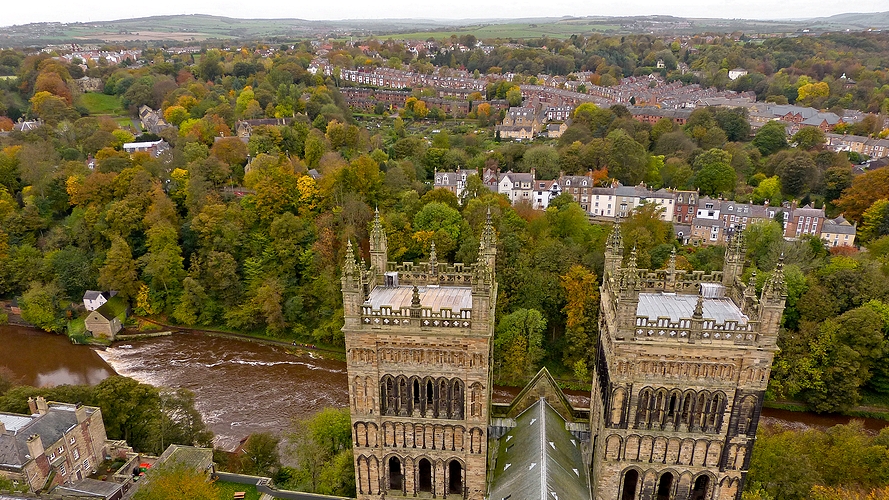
539 459
434 297
676 307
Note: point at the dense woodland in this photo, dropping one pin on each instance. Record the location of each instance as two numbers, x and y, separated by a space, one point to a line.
223 234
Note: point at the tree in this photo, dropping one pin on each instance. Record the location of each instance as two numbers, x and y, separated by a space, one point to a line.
581 311
260 456
714 173
518 344
176 115
129 410
544 160
771 138
119 271
514 96
874 222
627 159
809 138
768 190
176 481
209 68
322 447
864 191
798 173
40 307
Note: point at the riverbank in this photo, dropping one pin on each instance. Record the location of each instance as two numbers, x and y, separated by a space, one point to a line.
297 347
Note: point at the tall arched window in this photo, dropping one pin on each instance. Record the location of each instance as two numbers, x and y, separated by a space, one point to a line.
665 487
455 478
631 479
699 492
424 479
396 475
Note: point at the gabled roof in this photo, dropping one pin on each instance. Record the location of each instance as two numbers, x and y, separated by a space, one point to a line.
543 385
539 459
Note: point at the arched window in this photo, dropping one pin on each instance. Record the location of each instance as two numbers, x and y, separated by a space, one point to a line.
396 475
455 478
457 399
416 390
442 400
699 492
430 394
665 487
628 492
643 413
424 480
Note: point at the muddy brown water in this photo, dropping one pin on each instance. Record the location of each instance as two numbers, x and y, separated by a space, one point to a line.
240 387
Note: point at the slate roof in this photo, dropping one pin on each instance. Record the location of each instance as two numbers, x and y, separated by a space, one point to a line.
51 427
838 226
89 488
539 459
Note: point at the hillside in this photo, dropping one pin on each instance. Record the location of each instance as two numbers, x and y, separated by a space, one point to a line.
199 27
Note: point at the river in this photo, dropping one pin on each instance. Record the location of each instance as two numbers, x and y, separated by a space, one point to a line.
240 387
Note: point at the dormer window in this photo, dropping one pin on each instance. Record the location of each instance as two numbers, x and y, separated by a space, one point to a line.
568 182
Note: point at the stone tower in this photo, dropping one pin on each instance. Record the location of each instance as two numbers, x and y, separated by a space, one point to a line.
418 346
682 365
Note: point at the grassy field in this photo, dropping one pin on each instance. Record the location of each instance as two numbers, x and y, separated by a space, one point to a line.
227 490
101 104
516 30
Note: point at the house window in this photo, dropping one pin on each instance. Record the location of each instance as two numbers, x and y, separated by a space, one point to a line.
61 450
72 439
52 456
62 470
76 454
86 463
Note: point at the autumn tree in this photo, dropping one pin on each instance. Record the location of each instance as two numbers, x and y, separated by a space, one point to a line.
581 325
864 191
166 482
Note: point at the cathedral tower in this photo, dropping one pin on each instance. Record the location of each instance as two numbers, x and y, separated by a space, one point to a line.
682 365
418 346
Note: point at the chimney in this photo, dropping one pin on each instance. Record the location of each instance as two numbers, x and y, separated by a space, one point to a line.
42 407
32 405
80 413
35 446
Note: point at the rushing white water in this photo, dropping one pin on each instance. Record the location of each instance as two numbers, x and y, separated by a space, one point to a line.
240 387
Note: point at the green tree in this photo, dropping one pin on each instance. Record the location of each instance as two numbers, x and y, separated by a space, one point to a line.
119 271
768 190
322 447
260 456
874 222
809 138
714 174
41 307
771 138
518 345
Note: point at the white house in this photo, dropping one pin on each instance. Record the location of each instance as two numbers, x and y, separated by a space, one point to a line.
93 299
